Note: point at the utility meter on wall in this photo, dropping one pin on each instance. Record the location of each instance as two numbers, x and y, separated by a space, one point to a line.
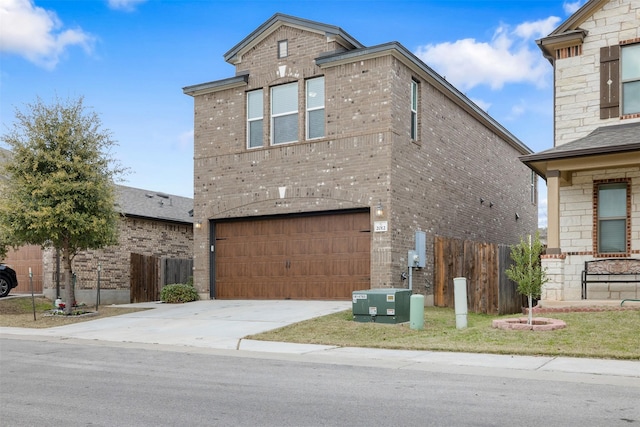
413 259
418 257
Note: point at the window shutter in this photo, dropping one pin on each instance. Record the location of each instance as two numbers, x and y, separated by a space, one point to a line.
610 82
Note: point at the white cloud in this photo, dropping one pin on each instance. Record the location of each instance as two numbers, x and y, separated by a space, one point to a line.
37 34
509 57
571 7
536 29
125 5
518 110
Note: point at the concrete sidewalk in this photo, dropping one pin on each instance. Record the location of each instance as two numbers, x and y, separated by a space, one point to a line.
223 324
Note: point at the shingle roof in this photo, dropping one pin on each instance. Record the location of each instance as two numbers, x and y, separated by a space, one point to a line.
154 205
144 203
603 140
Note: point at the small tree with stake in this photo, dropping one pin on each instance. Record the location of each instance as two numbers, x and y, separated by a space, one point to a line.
527 271
59 190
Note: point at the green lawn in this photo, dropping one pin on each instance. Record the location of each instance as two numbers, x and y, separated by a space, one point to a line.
606 334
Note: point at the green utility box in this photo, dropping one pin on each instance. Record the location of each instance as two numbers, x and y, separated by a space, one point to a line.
381 305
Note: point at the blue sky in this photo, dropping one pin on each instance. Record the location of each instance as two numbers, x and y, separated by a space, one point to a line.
130 59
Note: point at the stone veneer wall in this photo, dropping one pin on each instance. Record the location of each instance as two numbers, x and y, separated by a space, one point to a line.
577 113
577 79
137 235
576 231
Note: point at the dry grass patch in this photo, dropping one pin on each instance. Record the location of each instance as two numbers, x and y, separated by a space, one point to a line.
18 313
607 334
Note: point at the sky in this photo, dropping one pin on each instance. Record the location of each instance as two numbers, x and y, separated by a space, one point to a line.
130 59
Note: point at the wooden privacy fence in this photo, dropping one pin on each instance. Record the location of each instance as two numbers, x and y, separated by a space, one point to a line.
150 273
489 290
21 260
176 270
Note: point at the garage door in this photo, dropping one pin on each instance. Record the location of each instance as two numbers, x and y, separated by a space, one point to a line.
324 256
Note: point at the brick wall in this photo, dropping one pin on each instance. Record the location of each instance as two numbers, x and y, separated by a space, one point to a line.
438 181
434 184
141 236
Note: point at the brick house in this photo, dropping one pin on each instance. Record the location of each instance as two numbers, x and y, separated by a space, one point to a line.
153 224
317 162
593 170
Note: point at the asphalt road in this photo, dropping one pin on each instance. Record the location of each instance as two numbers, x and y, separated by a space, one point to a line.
83 383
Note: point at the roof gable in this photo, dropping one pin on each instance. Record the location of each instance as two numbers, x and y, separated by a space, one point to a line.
579 16
234 55
568 33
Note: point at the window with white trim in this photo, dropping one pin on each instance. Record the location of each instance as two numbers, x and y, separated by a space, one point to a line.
284 113
315 108
630 76
255 119
534 192
612 217
414 110
283 48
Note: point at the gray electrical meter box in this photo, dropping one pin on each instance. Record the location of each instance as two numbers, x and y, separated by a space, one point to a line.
381 305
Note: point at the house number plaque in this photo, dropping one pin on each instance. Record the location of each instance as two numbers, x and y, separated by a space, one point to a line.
380 226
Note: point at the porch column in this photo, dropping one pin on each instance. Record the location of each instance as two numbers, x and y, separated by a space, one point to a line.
553 212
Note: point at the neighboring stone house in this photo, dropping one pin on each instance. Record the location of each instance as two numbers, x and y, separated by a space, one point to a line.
593 171
317 162
153 224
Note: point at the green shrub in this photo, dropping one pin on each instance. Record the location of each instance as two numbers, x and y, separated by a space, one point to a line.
178 293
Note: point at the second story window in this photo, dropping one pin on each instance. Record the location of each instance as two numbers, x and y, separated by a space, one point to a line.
315 108
630 79
414 110
283 49
254 118
284 113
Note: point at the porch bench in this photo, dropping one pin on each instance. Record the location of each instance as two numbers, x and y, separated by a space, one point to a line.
619 267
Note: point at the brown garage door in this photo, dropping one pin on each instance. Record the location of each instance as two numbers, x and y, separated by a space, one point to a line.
298 257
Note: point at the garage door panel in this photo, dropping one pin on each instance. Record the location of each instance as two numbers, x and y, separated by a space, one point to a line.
299 246
275 248
304 257
319 246
362 243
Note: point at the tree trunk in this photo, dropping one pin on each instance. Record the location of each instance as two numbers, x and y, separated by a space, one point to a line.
530 320
68 273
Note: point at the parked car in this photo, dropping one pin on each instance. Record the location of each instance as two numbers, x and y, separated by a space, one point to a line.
8 280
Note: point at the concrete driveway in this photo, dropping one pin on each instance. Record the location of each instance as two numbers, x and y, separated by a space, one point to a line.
213 323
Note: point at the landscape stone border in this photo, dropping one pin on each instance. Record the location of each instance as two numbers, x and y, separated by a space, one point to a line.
521 324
